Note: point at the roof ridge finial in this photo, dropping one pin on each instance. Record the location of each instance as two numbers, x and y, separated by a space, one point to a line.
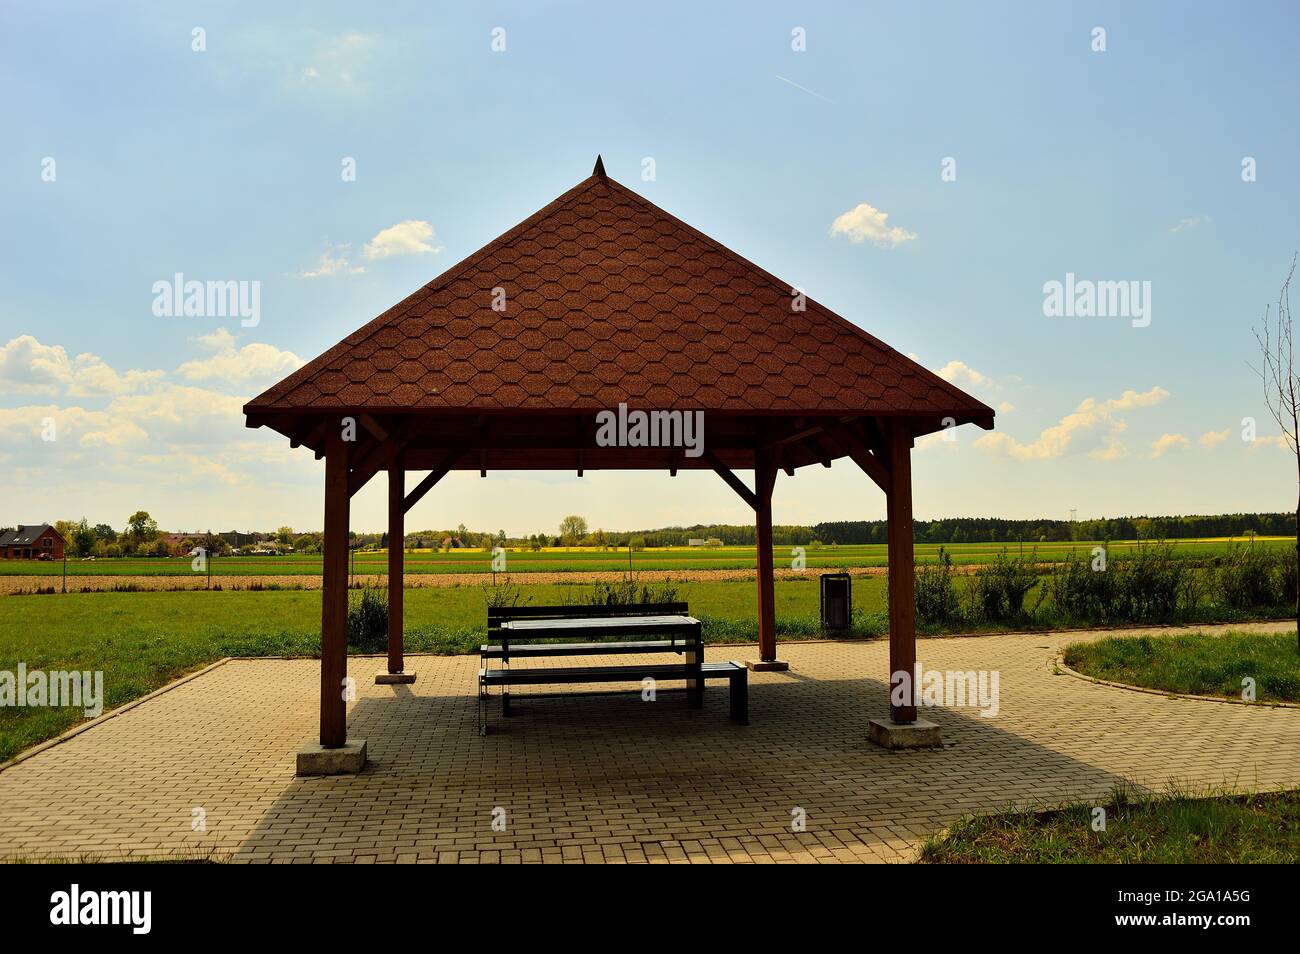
600 167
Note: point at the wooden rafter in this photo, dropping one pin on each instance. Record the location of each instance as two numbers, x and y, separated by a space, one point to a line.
431 478
859 453
732 481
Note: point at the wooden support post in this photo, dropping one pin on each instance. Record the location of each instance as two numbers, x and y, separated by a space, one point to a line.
902 584
396 553
764 482
334 593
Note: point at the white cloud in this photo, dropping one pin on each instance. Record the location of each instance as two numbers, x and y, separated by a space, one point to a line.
335 66
335 260
27 428
252 362
1092 423
191 466
865 222
963 375
91 377
1214 438
339 58
1185 225
179 414
1006 407
1114 449
1280 441
410 237
1167 442
29 367
162 419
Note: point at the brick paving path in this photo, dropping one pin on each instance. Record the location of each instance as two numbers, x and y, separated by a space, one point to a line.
615 779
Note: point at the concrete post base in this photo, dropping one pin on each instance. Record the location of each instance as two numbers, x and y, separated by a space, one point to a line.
767 665
919 735
394 678
347 759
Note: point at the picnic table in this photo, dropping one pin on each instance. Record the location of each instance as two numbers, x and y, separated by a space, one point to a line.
566 631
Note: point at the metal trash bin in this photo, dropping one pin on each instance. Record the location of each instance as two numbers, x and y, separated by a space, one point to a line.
837 601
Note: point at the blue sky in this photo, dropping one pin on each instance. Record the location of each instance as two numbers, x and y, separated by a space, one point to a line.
225 165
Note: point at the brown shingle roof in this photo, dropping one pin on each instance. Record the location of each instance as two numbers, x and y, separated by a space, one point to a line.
609 299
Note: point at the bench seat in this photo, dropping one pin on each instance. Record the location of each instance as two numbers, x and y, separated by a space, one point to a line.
736 673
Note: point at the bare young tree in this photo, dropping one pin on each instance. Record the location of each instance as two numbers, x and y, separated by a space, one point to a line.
1277 370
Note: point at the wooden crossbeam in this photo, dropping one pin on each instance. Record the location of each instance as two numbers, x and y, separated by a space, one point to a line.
374 427
732 481
794 436
313 436
859 453
369 462
431 478
778 454
818 450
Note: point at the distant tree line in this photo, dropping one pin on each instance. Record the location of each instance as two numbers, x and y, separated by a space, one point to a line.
142 537
1000 530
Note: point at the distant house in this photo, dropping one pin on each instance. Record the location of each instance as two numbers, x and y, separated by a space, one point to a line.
696 542
31 542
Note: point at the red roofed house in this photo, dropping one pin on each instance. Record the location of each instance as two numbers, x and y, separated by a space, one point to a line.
31 542
602 299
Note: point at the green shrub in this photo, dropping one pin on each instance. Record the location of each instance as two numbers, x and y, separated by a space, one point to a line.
1081 593
1150 582
1286 575
936 596
625 592
368 620
502 595
997 591
1248 577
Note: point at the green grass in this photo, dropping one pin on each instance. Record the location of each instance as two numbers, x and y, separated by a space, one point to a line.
588 560
144 640
1167 829
1196 664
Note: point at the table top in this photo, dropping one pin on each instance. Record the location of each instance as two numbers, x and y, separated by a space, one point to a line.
588 623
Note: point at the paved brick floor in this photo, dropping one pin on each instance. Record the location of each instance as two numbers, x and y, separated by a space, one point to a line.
614 779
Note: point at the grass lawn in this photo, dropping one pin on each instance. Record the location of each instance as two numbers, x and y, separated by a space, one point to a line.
1169 829
141 641
1196 664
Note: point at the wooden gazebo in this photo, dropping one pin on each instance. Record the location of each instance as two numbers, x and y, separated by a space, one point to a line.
505 360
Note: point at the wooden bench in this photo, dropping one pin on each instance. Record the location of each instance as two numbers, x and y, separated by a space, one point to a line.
529 633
